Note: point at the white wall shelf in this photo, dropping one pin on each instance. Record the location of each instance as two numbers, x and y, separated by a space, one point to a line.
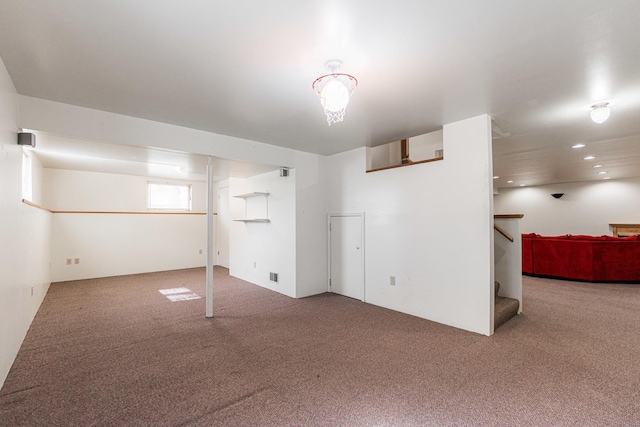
254 194
263 209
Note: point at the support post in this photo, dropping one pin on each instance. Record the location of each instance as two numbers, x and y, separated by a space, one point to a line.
209 271
404 152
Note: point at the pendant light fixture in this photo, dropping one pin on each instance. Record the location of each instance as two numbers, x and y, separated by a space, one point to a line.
334 90
600 112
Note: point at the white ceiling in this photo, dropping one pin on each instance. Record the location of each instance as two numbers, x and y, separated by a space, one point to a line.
245 68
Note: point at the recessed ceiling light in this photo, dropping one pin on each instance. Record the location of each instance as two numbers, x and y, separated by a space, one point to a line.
522 185
602 173
509 182
606 177
578 146
590 157
496 177
597 166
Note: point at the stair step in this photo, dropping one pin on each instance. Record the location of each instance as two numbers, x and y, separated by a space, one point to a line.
505 309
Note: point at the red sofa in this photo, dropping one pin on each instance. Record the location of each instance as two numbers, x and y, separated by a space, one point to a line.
586 258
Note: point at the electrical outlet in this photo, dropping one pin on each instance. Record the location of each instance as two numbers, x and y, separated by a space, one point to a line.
392 280
69 261
200 251
254 264
32 291
76 261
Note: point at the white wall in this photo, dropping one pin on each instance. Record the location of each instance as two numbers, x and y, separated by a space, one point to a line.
421 223
310 200
94 191
256 249
115 245
118 244
385 155
423 147
585 208
36 177
24 237
311 225
222 224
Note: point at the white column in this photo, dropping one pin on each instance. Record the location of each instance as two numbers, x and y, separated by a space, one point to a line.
209 291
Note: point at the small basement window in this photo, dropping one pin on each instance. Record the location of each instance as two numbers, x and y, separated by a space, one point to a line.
169 197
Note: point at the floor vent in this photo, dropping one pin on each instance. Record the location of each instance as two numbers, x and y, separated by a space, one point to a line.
273 277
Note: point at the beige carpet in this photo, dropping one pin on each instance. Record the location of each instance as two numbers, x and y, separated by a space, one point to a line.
116 352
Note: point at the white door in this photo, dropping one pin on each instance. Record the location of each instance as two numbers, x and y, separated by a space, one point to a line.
346 259
223 227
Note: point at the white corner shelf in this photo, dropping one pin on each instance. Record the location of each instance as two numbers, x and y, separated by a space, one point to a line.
254 194
266 207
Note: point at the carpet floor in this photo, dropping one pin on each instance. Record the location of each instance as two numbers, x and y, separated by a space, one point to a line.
117 352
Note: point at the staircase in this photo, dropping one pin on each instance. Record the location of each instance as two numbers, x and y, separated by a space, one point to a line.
505 308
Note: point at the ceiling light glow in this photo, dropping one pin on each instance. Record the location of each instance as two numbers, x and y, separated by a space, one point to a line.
600 112
334 90
602 173
578 146
496 177
597 166
590 157
509 182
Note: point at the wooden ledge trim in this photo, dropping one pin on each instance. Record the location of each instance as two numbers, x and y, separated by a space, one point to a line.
508 216
35 205
131 213
437 159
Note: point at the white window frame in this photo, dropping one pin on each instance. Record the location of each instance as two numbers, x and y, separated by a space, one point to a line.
155 206
27 176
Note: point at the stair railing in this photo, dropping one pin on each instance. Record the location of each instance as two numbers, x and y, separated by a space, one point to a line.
504 233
